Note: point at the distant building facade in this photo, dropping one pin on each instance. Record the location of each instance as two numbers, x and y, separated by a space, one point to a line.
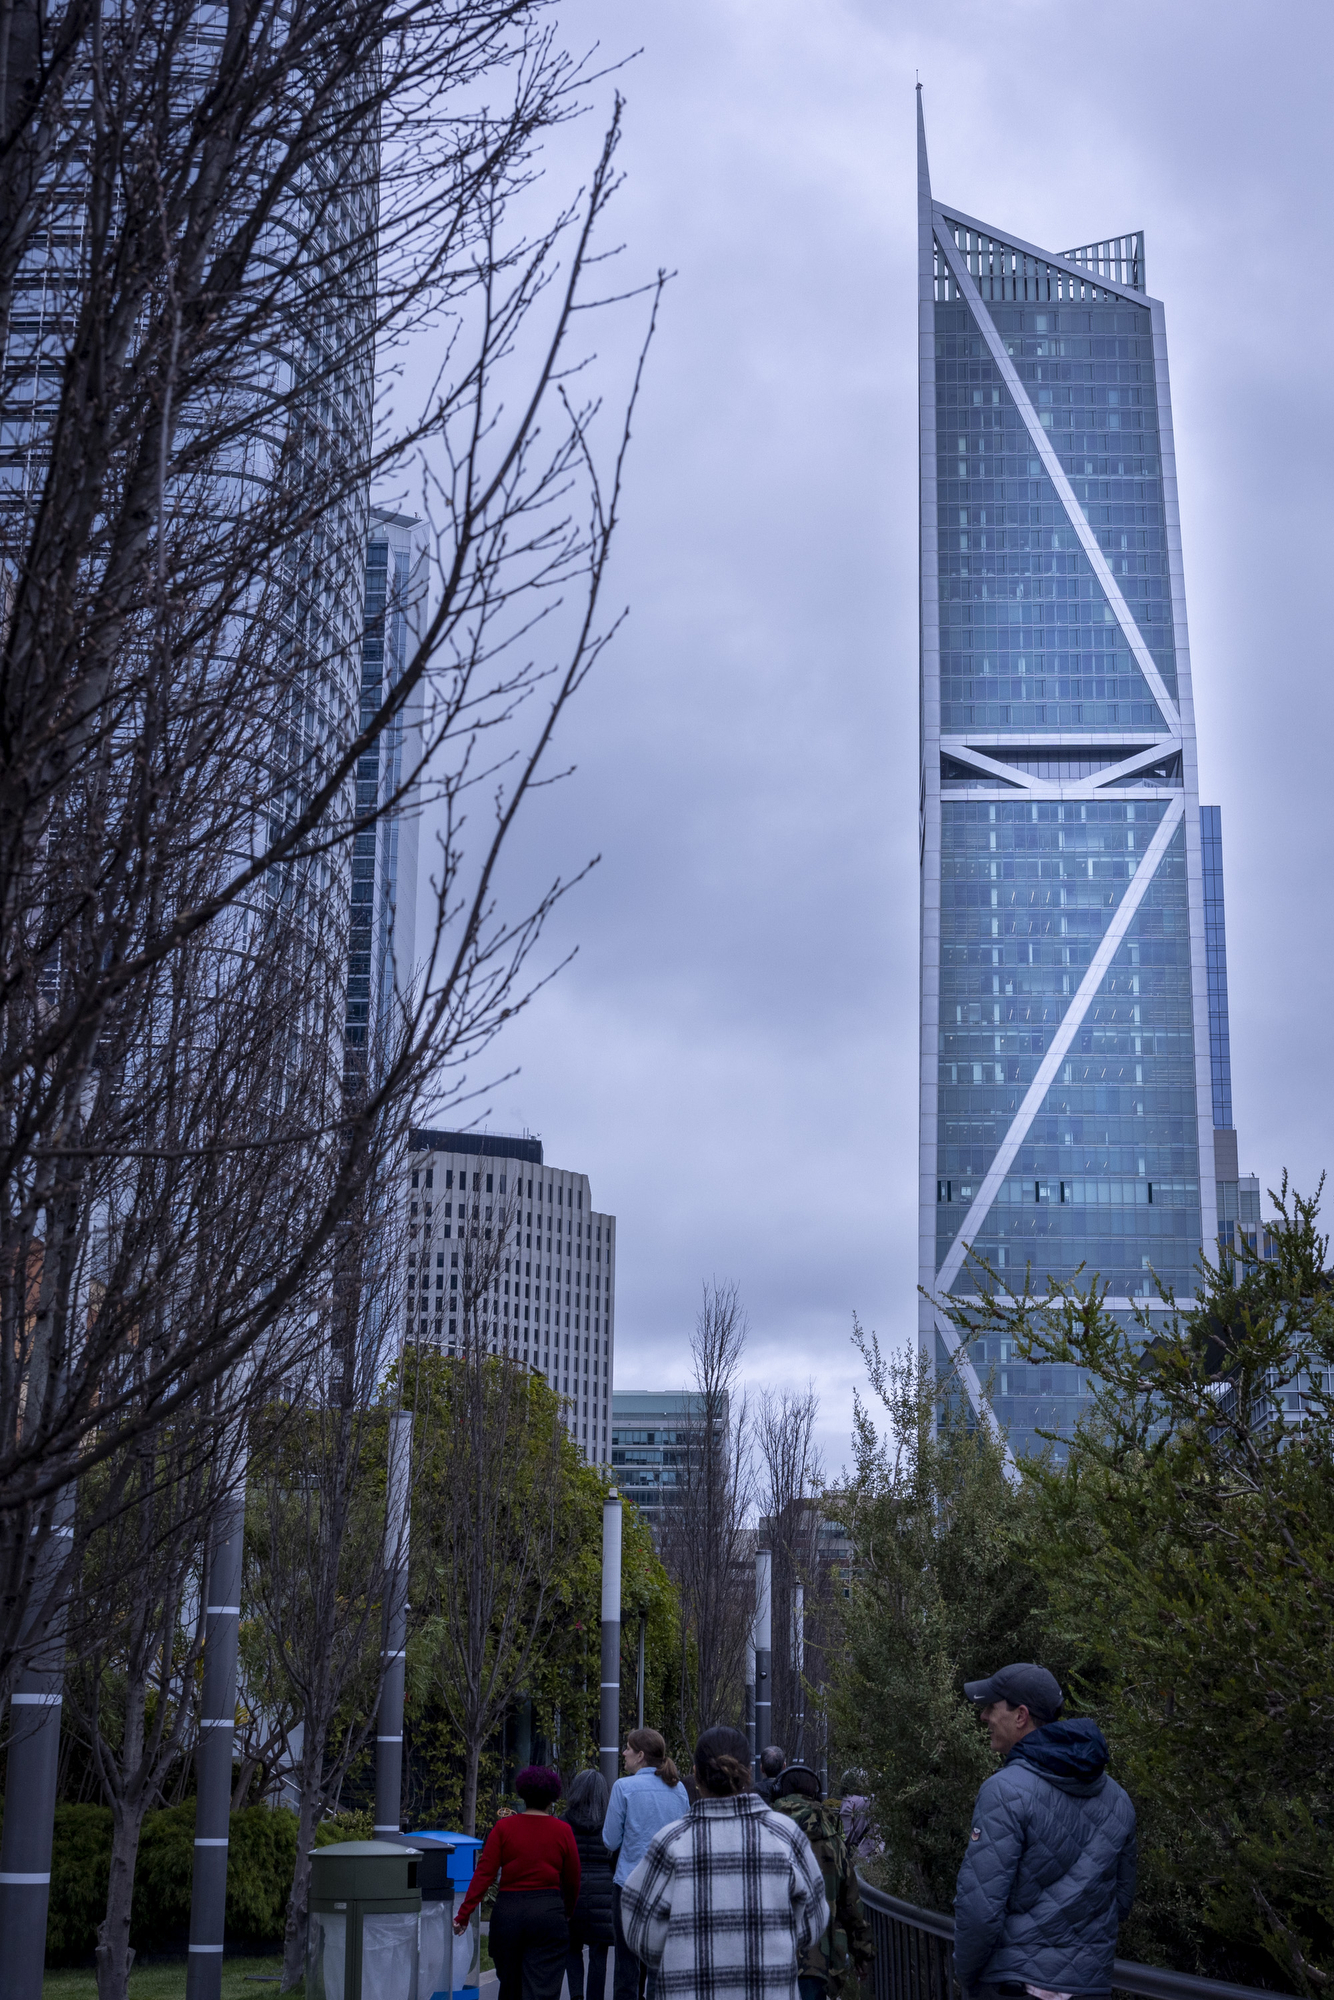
650 1448
504 1248
657 1435
383 921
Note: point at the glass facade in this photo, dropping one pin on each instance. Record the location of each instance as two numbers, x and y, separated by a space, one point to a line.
1215 950
384 862
1067 1116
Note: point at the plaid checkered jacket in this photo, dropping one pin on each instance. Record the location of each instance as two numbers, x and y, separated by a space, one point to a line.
725 1902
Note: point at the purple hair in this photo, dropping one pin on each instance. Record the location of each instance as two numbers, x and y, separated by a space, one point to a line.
538 1785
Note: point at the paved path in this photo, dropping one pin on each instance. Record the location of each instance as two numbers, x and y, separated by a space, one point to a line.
490 1984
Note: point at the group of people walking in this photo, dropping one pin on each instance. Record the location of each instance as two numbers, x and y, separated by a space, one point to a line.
728 1890
700 1889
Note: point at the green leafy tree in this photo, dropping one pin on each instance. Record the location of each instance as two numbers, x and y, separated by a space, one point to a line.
945 1589
566 1686
1190 1567
495 1529
505 1502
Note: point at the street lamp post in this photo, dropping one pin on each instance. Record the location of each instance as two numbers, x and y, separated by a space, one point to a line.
763 1652
609 1735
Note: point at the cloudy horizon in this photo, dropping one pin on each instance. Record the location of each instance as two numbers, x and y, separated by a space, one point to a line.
731 1056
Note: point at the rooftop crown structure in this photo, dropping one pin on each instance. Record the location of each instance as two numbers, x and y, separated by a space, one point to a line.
1067 1105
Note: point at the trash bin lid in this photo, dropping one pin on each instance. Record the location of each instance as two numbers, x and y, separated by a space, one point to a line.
364 1871
437 1852
463 1860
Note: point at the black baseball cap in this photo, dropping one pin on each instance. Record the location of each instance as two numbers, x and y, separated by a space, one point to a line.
1022 1685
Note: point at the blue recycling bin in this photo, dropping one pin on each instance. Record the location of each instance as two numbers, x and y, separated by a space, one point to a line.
450 1967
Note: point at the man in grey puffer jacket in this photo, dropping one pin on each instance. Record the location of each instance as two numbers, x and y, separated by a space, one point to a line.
1050 1870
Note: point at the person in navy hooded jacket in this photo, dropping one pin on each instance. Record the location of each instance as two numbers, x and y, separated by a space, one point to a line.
1049 1874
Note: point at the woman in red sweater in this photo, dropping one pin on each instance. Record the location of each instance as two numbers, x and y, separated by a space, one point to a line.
537 1860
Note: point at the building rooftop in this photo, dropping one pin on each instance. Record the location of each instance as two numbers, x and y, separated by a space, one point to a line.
482 1145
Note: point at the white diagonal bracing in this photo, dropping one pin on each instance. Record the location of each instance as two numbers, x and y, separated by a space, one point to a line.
972 1388
967 752
1060 1045
1055 471
1166 747
1023 781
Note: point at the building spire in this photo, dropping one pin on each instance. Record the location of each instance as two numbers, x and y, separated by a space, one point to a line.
923 169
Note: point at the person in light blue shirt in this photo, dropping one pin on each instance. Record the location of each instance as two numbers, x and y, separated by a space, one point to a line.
649 1797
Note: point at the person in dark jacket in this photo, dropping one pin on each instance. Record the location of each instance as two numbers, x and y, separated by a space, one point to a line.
773 1759
1049 1874
591 1924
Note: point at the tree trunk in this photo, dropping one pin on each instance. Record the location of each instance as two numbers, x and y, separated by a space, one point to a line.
114 1954
294 1936
472 1758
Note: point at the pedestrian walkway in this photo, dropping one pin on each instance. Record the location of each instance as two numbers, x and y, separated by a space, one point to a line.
490 1984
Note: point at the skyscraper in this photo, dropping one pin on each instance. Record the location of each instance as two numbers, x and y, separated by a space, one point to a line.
382 929
475 1202
1069 984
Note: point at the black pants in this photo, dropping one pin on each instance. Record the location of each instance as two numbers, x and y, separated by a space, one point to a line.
597 1964
629 1976
530 1937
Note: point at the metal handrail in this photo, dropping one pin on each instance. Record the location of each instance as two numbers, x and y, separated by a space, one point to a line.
907 1970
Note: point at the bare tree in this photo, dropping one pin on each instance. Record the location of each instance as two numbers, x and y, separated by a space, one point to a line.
706 1539
215 227
315 1579
138 1612
790 1526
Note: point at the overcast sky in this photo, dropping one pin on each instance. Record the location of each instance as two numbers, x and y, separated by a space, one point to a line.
732 1056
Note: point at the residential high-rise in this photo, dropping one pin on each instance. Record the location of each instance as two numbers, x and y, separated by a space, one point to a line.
498 1241
1074 1055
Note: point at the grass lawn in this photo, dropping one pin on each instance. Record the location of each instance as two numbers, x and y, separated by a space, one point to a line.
165 1980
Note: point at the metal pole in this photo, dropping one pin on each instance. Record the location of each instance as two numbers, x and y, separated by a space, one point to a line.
30 1783
389 1720
609 1744
763 1652
643 1622
750 1695
799 1668
213 1759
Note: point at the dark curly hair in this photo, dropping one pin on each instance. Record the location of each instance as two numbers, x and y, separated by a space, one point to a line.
722 1762
538 1785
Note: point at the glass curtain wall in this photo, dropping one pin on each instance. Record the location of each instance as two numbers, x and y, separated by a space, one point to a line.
1066 1118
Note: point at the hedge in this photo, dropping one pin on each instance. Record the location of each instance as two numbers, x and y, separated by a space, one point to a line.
260 1859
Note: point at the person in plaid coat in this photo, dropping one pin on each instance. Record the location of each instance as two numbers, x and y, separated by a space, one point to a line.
726 1902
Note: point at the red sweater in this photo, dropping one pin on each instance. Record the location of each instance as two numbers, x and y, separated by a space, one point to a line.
529 1850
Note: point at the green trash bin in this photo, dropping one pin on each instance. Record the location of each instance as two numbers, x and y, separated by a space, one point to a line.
365 1911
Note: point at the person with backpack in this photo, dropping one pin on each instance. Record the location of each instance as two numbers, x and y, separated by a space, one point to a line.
592 1923
649 1797
1049 1872
725 1905
846 1939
